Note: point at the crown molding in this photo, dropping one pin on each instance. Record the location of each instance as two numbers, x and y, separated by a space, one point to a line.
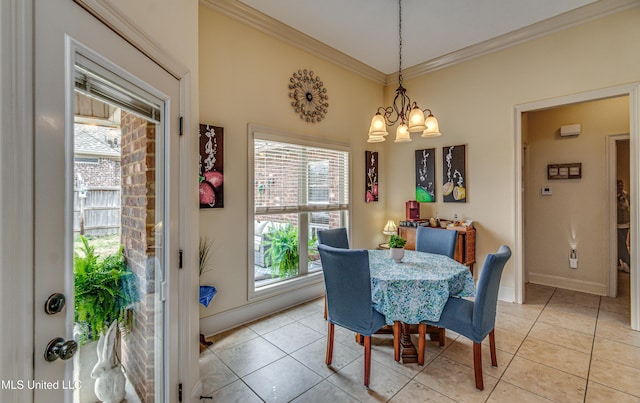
283 32
560 22
270 26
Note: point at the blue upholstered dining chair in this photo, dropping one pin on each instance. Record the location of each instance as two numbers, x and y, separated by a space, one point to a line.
441 242
434 240
348 286
336 237
474 320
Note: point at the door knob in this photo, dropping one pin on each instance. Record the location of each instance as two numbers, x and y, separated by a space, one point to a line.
54 304
59 348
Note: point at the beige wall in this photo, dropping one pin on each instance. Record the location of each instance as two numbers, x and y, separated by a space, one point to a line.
576 212
474 102
244 77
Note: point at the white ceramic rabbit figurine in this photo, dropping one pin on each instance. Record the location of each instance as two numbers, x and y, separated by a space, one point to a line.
108 373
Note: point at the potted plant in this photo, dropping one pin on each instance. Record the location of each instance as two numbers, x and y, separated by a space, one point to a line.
396 247
105 290
207 292
282 253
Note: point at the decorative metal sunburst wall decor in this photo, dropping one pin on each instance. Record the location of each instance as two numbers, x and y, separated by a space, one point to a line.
309 96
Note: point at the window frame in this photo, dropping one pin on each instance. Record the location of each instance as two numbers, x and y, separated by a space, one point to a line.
258 132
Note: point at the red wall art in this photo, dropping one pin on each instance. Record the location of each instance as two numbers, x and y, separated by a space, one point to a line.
211 166
371 179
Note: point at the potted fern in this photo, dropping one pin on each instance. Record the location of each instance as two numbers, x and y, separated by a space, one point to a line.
282 255
105 291
396 247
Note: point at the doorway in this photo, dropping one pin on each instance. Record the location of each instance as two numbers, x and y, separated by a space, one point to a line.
106 159
633 92
618 157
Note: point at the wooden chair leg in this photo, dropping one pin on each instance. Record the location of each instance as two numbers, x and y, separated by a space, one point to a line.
396 340
325 308
422 334
441 336
367 359
492 347
477 365
329 356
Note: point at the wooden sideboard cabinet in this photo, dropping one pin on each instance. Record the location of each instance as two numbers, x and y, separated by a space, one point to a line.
465 245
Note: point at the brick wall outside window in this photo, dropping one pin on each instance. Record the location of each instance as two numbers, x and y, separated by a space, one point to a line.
138 238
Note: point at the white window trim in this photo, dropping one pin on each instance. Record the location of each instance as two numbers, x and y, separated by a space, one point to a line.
269 133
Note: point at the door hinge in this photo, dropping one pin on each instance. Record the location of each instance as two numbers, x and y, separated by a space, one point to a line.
180 259
179 392
181 122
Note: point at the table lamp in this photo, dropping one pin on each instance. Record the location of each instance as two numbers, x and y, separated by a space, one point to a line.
390 228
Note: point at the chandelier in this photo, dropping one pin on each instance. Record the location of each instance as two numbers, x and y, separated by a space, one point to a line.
411 117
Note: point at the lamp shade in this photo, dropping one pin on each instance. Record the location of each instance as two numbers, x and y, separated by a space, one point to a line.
378 126
432 129
416 120
402 134
390 228
375 139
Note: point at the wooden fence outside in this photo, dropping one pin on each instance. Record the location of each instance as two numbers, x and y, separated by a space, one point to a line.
98 212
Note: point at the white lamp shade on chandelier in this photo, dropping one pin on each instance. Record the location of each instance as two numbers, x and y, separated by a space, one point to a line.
378 126
402 134
416 120
431 129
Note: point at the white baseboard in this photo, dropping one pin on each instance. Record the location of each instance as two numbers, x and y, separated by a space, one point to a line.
507 294
568 283
226 320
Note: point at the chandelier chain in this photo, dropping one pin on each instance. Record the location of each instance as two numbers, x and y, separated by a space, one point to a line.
400 36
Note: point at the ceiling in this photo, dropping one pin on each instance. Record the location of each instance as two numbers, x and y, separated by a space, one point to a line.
367 30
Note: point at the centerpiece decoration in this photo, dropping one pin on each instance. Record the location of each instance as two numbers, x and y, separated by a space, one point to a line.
396 247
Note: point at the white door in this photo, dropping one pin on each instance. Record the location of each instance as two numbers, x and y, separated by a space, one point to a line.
106 157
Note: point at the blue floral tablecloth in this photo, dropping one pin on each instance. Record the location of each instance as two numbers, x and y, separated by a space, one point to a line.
418 288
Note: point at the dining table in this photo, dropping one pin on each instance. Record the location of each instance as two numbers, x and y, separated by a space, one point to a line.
415 289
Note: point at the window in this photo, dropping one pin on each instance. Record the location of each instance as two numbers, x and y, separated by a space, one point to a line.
299 187
318 182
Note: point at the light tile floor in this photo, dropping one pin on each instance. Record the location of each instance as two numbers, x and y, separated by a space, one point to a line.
561 346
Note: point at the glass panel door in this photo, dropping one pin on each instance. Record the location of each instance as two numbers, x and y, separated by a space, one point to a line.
118 263
106 214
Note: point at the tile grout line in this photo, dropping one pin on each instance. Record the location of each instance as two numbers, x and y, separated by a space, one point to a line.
518 349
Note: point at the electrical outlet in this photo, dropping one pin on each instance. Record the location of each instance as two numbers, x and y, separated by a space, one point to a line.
455 216
573 259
